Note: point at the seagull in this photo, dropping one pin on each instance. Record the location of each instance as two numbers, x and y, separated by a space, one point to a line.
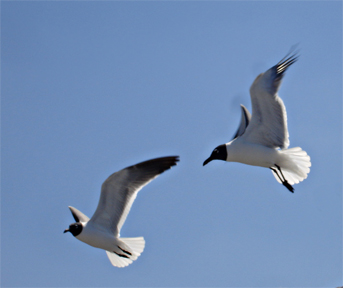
117 195
262 138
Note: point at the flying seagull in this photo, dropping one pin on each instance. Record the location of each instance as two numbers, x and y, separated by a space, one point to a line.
117 195
262 139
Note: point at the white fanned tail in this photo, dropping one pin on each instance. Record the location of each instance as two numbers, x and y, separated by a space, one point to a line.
136 246
295 165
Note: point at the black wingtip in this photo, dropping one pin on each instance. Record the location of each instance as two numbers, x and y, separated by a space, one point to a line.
283 65
168 160
291 57
165 163
159 165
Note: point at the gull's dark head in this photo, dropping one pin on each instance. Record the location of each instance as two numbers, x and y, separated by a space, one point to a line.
75 229
219 153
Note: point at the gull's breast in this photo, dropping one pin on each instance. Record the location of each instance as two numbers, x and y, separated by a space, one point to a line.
251 154
97 237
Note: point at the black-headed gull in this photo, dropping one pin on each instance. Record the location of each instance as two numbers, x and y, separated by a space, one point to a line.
262 139
117 195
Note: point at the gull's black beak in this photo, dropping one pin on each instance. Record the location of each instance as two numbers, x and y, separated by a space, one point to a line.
65 231
207 160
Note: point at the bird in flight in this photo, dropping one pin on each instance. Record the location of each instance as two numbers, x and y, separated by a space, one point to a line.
117 195
262 138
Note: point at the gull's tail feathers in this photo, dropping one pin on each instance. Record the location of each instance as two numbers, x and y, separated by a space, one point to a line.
118 261
295 165
133 249
136 244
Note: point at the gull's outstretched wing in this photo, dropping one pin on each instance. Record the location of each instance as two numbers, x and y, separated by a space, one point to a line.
245 119
268 125
120 190
78 215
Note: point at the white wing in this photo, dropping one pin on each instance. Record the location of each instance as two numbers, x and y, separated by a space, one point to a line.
120 190
268 125
245 119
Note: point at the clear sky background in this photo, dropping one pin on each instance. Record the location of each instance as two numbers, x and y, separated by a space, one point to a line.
88 88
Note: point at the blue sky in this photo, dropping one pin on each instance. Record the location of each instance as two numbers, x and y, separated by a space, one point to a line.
88 88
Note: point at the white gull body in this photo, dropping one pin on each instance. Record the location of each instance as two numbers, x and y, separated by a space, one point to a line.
117 195
262 139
